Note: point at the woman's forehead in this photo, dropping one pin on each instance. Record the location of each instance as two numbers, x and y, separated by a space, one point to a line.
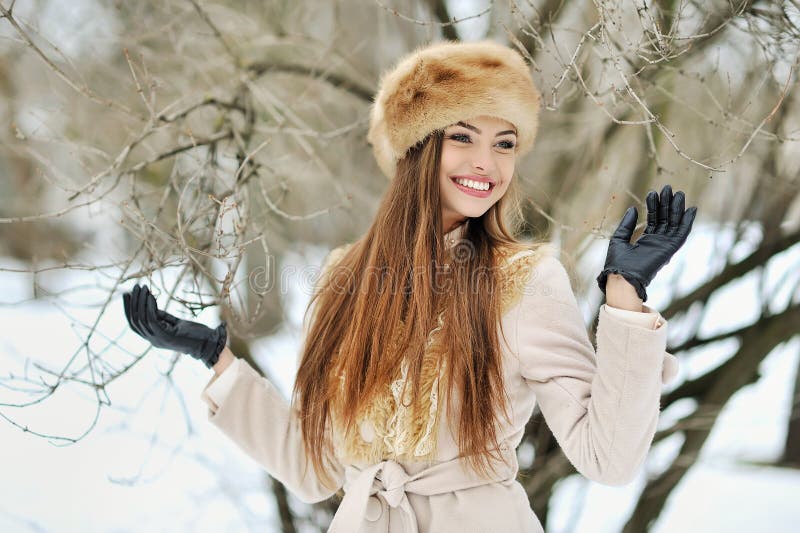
485 121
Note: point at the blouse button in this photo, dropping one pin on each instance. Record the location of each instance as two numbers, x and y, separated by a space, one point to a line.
374 509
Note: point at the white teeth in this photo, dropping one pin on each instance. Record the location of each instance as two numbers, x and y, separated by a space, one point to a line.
473 184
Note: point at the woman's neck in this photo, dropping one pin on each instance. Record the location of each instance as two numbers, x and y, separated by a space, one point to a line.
455 225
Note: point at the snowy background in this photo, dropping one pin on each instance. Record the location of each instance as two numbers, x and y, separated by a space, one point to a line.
191 478
150 461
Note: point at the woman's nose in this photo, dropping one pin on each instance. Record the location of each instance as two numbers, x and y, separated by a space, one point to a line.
483 160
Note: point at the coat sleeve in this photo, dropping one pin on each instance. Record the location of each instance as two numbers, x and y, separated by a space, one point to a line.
252 413
602 406
649 320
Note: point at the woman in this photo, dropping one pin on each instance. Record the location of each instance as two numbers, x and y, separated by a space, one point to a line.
438 297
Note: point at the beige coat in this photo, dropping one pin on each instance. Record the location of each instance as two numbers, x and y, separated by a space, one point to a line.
602 406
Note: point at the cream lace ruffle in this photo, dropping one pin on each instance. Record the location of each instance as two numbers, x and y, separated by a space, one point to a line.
400 438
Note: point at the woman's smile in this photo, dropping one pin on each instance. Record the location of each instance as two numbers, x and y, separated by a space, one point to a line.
474 185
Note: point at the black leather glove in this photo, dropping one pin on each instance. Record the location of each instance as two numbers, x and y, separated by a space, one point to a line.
163 330
668 226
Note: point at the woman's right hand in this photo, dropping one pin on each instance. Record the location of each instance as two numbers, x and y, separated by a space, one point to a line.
163 330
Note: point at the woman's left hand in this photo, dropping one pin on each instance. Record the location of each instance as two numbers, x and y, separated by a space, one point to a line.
668 226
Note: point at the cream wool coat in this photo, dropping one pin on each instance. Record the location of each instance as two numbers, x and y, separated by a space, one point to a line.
602 406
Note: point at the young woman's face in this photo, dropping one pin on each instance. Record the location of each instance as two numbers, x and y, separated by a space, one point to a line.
480 149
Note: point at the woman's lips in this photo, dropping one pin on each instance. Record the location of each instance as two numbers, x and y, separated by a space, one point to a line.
473 192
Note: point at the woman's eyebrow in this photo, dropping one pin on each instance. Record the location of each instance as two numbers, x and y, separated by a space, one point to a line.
476 130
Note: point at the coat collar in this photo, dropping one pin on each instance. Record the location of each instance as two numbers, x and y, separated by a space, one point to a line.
452 237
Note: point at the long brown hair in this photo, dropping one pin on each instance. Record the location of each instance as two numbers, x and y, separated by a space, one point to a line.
355 312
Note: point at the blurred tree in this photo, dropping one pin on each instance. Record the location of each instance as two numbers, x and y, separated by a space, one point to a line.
208 137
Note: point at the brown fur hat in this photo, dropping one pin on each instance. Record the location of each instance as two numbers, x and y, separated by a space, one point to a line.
439 84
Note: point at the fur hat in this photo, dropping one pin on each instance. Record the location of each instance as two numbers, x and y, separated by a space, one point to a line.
437 85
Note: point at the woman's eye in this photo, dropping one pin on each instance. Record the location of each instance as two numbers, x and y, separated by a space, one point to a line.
457 136
506 145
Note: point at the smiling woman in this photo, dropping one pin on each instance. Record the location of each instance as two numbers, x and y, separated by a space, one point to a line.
415 385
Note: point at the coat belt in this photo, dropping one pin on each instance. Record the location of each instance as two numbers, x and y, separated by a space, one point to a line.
389 480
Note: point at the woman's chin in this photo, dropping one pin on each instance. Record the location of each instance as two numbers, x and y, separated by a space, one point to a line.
472 212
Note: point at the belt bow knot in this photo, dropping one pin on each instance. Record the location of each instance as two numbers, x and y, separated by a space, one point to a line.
394 479
389 480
